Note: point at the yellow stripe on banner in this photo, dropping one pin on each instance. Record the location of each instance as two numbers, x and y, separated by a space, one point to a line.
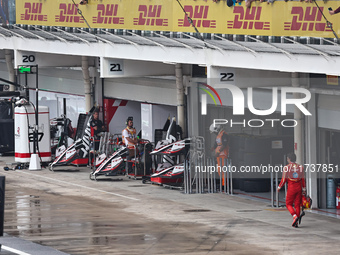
293 18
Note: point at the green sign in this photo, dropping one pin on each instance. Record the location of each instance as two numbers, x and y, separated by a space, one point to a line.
24 69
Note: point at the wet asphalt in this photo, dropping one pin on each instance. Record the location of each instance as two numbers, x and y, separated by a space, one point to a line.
66 211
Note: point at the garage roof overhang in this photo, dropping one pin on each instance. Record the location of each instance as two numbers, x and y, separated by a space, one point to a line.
286 57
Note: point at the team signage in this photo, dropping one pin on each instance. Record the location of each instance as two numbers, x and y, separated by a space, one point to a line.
281 18
113 68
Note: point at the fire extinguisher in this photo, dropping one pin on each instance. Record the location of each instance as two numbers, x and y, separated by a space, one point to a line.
338 198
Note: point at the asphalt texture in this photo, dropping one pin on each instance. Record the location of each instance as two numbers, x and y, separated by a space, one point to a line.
66 212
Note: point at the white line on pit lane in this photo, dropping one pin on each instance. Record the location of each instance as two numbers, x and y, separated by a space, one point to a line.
14 250
78 185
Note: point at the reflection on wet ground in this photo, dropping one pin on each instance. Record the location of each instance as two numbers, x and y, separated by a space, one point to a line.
83 225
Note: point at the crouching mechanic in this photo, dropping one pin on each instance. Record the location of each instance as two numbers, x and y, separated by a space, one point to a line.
130 140
221 147
293 174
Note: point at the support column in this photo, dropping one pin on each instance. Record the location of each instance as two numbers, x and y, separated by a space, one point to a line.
298 129
311 152
180 98
96 86
193 110
87 82
10 67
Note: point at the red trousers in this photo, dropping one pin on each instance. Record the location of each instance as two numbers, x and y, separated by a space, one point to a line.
294 195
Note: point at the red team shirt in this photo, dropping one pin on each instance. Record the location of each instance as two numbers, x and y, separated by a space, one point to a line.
293 174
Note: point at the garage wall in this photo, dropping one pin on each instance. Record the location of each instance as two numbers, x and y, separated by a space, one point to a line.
54 101
329 112
52 79
54 85
148 90
116 111
3 71
58 80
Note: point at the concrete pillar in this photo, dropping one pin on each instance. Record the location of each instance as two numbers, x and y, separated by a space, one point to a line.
87 82
298 129
311 152
10 67
193 110
180 98
96 85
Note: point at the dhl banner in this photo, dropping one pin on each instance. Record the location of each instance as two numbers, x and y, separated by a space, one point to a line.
293 18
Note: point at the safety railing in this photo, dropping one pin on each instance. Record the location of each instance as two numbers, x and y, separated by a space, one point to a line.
208 175
205 175
107 146
274 194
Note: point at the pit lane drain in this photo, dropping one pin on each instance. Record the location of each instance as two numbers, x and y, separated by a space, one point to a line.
197 210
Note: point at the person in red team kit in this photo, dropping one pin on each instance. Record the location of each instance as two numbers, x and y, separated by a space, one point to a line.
293 174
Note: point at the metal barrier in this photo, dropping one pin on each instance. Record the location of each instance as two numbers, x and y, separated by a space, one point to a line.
107 143
107 146
104 147
274 184
205 175
200 172
275 195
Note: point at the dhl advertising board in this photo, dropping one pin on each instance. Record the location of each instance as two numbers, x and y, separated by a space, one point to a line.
293 18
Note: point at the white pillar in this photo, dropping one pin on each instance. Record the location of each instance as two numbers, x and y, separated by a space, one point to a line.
96 86
87 82
180 97
10 67
298 129
193 110
311 152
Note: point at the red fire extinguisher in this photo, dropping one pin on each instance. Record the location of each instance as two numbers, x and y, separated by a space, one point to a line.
338 198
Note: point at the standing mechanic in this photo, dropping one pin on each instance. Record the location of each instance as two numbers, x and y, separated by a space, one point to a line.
221 147
129 136
293 174
97 127
130 140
